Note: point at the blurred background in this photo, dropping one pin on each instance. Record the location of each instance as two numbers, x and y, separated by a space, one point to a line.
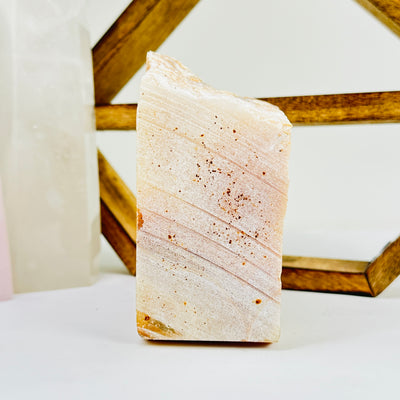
344 192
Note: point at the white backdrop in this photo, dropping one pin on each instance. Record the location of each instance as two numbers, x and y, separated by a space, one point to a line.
344 195
82 344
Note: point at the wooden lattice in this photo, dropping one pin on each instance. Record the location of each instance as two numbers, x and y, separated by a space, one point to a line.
120 53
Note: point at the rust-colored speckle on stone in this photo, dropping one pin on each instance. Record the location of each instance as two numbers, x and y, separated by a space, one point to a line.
258 301
139 219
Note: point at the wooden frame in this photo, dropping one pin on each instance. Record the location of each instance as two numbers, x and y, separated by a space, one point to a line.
343 276
387 11
376 107
119 54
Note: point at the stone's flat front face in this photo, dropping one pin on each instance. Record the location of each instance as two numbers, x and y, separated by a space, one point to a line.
50 172
212 193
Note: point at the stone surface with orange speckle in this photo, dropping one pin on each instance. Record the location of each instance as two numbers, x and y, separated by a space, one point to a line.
212 191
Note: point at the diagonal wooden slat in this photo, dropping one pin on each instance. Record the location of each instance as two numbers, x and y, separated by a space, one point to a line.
387 11
376 107
118 213
120 53
385 268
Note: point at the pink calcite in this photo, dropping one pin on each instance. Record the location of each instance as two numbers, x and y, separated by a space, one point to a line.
5 264
212 190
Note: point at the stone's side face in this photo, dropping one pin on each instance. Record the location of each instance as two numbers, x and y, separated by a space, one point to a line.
212 192
50 165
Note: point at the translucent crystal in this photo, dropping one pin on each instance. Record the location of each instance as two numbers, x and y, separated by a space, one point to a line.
50 162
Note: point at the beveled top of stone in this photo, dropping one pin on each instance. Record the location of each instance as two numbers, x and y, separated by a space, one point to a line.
164 70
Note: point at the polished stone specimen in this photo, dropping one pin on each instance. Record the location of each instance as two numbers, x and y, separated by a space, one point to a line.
212 192
50 168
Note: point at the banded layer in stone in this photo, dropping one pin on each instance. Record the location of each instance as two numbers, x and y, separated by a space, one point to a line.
212 193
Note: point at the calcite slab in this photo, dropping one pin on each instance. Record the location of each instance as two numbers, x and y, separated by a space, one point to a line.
212 192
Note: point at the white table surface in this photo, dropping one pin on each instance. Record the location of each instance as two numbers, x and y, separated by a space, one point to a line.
82 344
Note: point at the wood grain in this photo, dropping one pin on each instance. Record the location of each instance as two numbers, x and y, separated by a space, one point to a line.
325 281
120 53
385 268
376 107
387 11
118 212
117 117
120 241
325 275
325 264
